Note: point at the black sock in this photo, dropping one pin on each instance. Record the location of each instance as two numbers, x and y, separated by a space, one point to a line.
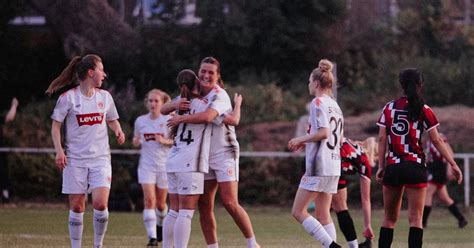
426 214
455 211
415 237
346 225
385 237
334 245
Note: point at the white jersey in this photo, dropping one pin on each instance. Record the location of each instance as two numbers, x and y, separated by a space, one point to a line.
153 154
190 152
85 118
223 137
323 157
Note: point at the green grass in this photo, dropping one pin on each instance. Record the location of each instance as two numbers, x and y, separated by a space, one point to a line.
274 227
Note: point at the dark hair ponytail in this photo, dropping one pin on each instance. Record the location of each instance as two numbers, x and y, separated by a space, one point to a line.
412 81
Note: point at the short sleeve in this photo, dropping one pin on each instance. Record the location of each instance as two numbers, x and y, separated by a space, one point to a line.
136 128
220 102
320 115
382 121
112 113
63 105
430 121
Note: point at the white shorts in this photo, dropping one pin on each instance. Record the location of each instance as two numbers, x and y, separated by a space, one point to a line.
223 170
146 176
326 184
81 180
186 183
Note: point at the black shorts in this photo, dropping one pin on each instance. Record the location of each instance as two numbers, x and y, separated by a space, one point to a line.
409 174
437 170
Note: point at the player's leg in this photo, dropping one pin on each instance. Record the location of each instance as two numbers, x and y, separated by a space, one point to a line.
310 224
392 202
77 205
170 220
346 224
149 214
229 196
416 200
161 192
206 213
430 191
453 208
100 199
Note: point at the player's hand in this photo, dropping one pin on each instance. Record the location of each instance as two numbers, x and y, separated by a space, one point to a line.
120 136
14 102
238 99
368 233
182 104
136 141
379 175
61 160
159 138
295 145
457 173
174 121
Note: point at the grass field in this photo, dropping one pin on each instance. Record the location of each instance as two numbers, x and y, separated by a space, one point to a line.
274 227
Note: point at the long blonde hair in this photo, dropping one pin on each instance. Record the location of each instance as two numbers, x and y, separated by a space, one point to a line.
371 148
163 96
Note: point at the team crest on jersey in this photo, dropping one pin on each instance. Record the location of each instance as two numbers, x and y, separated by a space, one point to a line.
90 119
100 105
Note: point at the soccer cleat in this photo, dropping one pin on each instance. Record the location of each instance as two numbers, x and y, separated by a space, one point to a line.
366 244
334 245
152 242
462 223
159 233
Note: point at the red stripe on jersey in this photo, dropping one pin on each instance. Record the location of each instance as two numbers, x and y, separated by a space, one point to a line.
404 135
354 159
90 119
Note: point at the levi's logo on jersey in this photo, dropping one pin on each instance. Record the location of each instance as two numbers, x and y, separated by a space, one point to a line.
150 136
90 119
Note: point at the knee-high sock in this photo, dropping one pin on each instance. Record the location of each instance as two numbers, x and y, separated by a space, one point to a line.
346 225
455 211
426 214
331 230
316 230
149 219
160 215
415 237
168 228
101 220
385 237
75 228
182 228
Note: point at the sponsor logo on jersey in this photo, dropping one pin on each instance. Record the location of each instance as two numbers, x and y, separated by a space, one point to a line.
90 119
151 136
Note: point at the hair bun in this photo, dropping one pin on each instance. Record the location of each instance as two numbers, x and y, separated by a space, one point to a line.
325 65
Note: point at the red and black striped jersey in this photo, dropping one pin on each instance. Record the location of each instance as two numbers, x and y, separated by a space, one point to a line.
404 135
434 154
354 159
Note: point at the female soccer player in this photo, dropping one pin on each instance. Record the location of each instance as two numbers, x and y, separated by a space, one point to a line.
224 154
439 175
194 140
152 134
401 125
323 161
86 164
356 157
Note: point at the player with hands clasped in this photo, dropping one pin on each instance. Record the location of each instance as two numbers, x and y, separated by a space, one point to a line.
402 168
85 110
323 161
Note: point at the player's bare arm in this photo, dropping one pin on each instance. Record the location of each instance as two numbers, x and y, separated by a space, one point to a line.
203 117
233 118
60 160
440 145
115 126
296 143
382 149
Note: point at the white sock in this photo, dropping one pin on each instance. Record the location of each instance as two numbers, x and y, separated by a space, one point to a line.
215 245
168 228
353 244
101 219
160 215
316 230
149 219
331 230
251 242
182 228
75 228
5 194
